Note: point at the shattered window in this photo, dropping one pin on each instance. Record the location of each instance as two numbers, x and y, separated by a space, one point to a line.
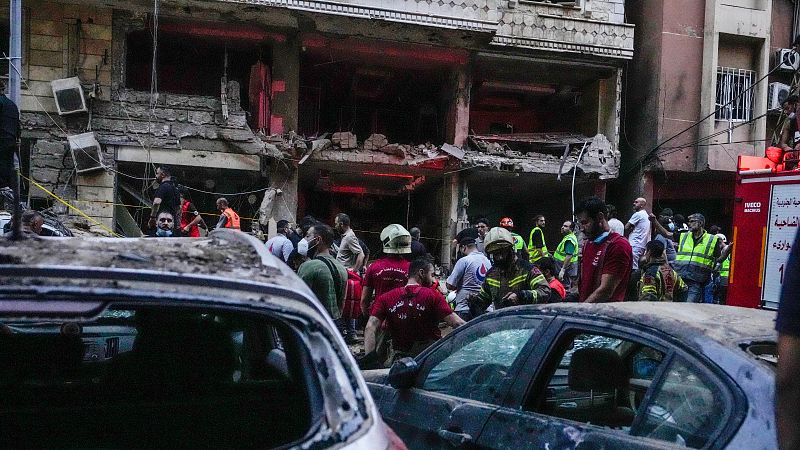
147 377
477 365
685 409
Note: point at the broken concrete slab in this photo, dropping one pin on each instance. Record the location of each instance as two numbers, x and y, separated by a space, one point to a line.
375 142
453 151
345 140
395 150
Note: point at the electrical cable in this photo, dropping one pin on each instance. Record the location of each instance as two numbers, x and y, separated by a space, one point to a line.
654 150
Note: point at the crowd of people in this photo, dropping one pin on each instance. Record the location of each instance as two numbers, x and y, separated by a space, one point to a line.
599 258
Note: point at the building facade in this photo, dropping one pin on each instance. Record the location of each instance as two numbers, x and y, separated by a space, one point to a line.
418 112
697 97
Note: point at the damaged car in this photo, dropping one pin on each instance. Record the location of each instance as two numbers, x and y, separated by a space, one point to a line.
638 375
190 343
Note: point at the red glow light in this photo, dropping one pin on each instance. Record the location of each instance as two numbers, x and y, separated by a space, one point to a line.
390 175
348 189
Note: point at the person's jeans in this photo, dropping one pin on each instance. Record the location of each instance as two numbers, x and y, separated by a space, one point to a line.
696 292
465 315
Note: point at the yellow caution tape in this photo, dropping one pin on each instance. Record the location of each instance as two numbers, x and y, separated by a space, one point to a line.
68 205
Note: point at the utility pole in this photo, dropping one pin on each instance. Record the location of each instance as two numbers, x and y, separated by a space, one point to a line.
14 81
15 51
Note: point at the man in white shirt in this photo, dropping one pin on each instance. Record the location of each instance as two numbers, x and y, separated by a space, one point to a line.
614 224
280 245
469 272
637 230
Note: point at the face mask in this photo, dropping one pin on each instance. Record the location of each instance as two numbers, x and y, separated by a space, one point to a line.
302 247
671 226
163 233
792 116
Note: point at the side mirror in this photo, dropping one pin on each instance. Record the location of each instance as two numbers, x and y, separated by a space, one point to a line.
403 373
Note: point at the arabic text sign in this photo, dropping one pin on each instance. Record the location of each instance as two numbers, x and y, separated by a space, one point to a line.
784 221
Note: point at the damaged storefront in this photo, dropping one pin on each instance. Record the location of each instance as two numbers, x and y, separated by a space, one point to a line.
424 119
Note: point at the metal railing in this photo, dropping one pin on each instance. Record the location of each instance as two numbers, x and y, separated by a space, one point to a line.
734 91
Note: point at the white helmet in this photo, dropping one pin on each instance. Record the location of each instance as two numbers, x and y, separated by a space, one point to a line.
497 238
396 239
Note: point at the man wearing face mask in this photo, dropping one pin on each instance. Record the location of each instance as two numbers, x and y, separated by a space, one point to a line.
326 277
165 225
512 280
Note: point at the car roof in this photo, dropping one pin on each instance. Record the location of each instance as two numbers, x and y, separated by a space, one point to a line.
727 325
195 264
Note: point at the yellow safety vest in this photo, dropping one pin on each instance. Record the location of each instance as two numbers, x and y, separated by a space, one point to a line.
535 253
560 255
695 259
518 242
726 267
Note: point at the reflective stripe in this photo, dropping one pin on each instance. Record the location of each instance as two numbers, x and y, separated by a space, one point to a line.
686 254
537 280
534 253
493 282
560 255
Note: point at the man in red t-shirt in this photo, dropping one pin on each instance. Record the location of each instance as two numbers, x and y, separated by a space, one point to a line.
413 313
606 259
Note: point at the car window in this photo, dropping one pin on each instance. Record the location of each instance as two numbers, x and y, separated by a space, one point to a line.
476 364
591 379
152 377
684 409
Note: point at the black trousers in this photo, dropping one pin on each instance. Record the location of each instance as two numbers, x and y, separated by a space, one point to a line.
7 174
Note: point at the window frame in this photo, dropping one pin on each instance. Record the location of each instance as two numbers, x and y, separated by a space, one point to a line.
736 76
735 402
426 359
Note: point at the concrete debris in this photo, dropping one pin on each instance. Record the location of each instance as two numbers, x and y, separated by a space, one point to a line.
395 150
453 151
345 140
599 158
375 142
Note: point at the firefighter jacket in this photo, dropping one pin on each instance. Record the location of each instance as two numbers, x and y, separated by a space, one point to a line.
694 260
523 279
660 283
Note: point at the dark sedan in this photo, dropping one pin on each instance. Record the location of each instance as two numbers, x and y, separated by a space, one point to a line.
565 376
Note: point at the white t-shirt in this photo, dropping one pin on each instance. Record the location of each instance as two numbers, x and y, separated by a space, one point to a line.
468 276
616 226
640 235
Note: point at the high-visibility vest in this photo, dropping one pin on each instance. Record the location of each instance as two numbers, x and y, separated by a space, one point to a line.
233 219
535 253
696 256
560 255
725 270
519 244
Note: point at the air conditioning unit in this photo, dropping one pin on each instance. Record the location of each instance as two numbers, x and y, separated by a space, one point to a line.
776 95
86 153
787 59
69 97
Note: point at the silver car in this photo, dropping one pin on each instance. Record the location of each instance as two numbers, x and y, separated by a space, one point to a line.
172 342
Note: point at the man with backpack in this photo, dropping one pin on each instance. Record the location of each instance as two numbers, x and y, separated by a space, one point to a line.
326 276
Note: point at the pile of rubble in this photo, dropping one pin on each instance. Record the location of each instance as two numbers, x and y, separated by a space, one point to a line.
292 145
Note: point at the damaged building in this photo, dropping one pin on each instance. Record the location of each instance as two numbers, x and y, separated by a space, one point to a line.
423 113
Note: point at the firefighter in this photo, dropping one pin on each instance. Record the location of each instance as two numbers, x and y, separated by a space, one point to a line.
698 253
659 282
228 218
537 247
519 243
511 280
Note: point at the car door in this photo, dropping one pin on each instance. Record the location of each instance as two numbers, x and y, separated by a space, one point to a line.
558 403
460 383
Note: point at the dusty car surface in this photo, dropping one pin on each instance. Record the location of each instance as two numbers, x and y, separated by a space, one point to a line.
564 376
141 343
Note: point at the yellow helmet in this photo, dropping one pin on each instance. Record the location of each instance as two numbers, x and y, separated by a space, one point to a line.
497 238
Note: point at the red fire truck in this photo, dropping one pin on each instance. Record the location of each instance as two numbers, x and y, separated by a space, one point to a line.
765 220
